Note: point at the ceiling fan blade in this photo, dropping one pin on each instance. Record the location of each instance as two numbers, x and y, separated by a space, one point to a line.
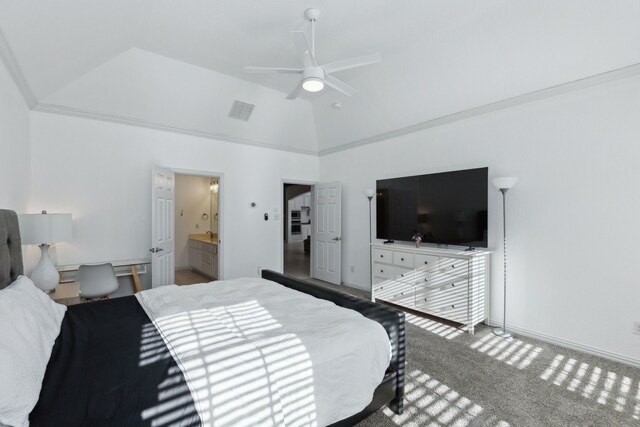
273 70
294 93
357 61
303 48
339 85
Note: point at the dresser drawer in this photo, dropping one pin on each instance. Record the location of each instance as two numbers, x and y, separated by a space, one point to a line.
435 281
383 255
403 259
426 262
391 287
455 312
393 272
396 292
426 298
442 303
425 277
454 267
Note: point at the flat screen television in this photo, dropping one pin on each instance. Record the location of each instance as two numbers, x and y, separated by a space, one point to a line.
448 208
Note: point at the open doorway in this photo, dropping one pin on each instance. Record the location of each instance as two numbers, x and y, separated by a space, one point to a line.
297 217
196 229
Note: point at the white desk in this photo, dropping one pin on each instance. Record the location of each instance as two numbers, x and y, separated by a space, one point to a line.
128 267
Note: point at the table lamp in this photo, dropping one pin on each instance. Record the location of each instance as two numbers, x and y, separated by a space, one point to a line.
44 229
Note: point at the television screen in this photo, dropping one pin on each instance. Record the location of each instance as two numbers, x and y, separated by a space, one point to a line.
448 208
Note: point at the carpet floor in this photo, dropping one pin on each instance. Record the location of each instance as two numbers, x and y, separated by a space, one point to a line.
456 379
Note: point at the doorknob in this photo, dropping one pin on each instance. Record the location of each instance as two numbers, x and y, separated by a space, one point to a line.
154 250
337 239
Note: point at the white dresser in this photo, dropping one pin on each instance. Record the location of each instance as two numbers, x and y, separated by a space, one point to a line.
447 283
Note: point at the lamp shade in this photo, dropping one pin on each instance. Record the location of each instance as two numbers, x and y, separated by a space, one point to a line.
504 182
369 192
45 228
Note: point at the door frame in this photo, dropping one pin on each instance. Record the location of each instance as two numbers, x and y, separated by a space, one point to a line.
311 184
221 215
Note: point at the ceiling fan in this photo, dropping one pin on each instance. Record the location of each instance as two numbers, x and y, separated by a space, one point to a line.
314 75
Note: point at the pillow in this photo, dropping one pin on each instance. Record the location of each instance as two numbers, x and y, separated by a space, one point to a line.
29 325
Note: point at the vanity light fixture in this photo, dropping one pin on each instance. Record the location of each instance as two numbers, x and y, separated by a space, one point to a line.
213 185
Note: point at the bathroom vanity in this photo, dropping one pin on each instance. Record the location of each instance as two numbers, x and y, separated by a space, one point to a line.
203 254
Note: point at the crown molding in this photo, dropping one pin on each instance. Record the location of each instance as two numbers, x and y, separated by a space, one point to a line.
131 121
6 54
561 89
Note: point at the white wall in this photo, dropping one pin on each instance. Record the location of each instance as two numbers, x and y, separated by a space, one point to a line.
504 50
14 145
572 218
101 172
193 199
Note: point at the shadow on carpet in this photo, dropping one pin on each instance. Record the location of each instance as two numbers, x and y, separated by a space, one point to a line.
456 379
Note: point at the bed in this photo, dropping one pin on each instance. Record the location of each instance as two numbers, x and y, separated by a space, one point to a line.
111 363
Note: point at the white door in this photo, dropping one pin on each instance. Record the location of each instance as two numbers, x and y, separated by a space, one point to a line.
326 232
162 227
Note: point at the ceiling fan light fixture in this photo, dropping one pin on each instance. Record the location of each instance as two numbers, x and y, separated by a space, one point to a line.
315 76
313 84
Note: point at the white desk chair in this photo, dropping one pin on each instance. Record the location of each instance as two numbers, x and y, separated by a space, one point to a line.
96 281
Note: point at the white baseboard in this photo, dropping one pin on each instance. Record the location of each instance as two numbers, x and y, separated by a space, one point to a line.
351 285
570 344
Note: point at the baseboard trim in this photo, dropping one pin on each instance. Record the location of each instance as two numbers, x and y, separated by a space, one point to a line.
570 344
351 285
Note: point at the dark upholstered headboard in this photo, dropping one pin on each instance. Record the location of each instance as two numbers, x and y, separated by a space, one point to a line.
10 248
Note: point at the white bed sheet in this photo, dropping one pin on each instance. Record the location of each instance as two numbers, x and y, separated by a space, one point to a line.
256 353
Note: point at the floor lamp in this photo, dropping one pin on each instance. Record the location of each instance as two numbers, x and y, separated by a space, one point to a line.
369 193
503 185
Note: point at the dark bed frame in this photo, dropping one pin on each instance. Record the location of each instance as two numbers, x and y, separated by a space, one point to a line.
390 391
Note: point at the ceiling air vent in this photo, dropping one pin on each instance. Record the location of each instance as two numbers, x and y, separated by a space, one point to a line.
241 110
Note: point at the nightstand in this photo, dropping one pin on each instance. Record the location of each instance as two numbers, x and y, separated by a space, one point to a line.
67 293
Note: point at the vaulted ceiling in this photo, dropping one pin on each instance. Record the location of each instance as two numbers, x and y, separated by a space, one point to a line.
179 64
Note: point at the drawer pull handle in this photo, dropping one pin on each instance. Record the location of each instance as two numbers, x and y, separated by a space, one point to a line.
426 280
426 262
425 299
453 266
401 259
401 293
453 306
453 284
381 256
381 271
402 275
